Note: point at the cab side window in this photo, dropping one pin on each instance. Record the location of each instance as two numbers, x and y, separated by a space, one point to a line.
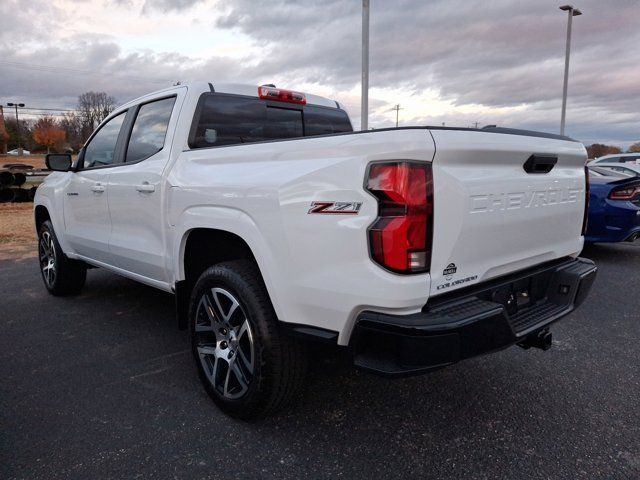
100 151
150 129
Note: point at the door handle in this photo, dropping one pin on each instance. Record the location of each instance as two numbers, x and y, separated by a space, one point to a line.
540 163
146 187
98 188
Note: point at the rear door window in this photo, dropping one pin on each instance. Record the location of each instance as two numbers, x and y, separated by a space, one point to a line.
150 129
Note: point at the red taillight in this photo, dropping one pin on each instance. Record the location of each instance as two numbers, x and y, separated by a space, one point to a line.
585 218
280 95
625 193
401 237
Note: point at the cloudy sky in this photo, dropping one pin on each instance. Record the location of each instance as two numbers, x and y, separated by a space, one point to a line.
459 62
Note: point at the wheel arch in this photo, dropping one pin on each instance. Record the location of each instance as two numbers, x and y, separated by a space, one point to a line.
209 235
203 246
41 215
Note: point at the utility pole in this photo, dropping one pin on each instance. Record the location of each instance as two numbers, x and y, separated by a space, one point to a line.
476 125
16 105
397 108
364 107
3 133
571 12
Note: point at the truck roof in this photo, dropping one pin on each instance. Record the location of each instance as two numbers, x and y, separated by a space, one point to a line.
235 89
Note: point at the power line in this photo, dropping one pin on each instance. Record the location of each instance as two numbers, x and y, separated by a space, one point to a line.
61 110
50 114
51 109
76 71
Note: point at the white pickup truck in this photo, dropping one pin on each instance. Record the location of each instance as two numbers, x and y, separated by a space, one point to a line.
273 223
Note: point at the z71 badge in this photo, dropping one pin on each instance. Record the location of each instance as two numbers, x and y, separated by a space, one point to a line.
335 208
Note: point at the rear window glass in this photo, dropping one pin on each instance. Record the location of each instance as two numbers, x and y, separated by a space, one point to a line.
282 123
323 121
229 120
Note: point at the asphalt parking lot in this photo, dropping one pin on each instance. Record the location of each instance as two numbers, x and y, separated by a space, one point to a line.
103 386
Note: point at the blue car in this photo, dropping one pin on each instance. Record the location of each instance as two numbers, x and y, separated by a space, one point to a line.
614 207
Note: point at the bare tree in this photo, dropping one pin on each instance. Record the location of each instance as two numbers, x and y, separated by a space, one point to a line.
4 135
72 124
94 107
634 148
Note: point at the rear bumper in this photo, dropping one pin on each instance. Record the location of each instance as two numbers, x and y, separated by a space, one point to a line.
473 321
613 221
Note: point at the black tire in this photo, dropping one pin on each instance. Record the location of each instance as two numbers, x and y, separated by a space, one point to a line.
19 178
6 178
64 276
6 195
278 363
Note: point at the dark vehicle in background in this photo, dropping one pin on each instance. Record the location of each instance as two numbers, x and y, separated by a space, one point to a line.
614 207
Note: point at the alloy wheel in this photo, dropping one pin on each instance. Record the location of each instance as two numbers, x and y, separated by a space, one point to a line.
48 260
225 343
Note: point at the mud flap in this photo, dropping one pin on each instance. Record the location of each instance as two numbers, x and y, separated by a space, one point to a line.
182 292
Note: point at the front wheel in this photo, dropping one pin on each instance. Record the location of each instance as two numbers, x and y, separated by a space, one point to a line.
61 275
246 364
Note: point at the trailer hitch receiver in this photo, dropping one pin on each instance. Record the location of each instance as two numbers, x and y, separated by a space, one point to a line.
542 340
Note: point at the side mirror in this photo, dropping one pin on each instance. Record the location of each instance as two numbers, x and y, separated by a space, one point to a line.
58 162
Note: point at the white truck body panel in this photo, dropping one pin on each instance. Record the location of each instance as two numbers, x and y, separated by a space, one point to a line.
491 218
316 267
86 214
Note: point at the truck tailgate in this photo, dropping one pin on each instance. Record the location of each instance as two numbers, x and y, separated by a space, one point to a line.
491 216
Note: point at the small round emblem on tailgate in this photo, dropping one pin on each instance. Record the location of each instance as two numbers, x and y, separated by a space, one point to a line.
449 271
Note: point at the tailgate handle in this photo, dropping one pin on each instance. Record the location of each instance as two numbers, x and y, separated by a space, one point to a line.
540 163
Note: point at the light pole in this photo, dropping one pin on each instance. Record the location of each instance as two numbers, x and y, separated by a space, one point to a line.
16 105
571 12
364 106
